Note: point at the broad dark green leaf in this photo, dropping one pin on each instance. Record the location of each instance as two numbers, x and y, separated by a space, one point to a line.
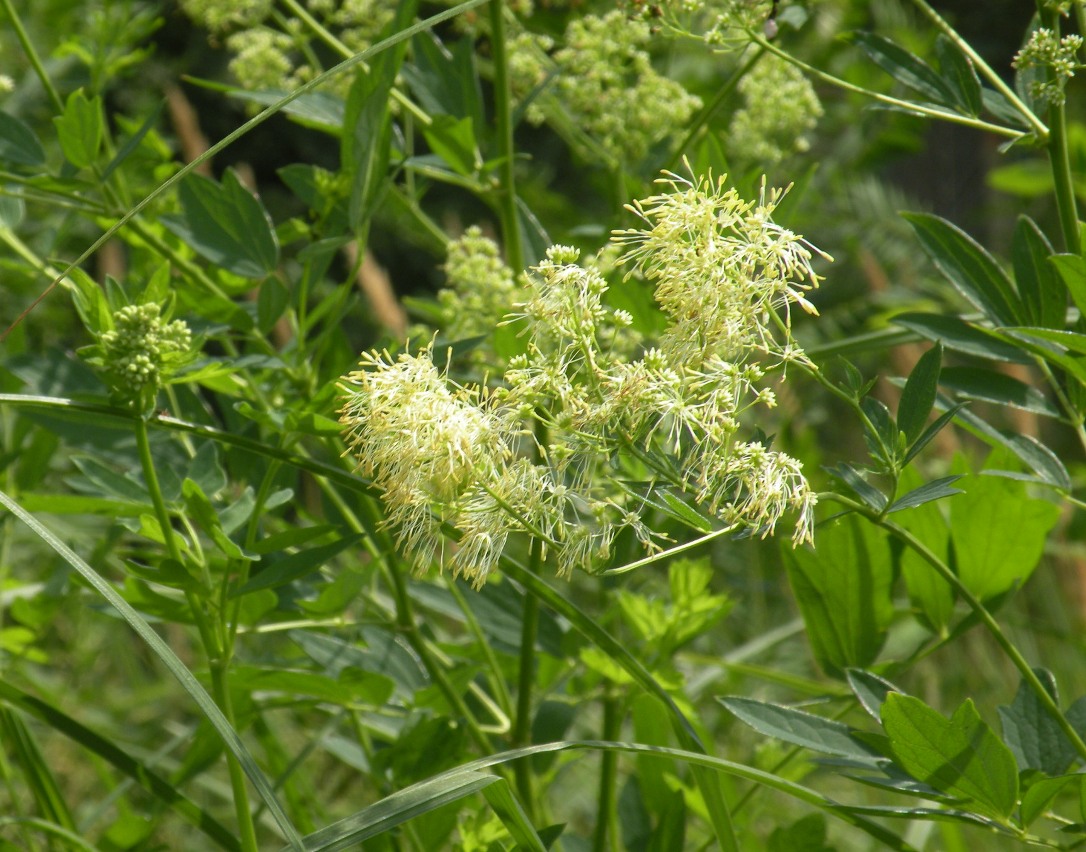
806 834
226 225
968 266
960 76
931 596
905 67
999 533
918 396
960 756
352 685
19 144
1033 735
799 728
937 489
999 388
843 590
1043 293
79 129
961 336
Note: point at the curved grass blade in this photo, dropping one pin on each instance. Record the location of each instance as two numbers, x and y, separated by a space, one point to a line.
392 809
172 662
122 761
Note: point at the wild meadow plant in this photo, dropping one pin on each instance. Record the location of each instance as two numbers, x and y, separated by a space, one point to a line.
616 546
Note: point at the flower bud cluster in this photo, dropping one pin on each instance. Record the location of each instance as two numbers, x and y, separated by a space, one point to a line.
594 412
779 108
1058 56
602 79
479 286
141 346
274 52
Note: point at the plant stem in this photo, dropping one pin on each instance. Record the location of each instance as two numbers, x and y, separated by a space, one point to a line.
32 56
606 821
1060 160
989 73
503 121
978 608
907 106
213 646
522 721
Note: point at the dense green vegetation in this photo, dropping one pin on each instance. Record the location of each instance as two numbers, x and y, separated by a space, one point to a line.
551 425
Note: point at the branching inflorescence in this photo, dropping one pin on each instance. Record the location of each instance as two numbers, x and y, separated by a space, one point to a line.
605 412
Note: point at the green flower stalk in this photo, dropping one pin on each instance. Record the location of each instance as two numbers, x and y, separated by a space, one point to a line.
726 277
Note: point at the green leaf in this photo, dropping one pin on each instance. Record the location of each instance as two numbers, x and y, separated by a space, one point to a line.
998 388
968 266
936 426
226 225
918 396
871 690
19 144
1044 296
279 572
177 668
843 591
905 67
353 685
800 729
137 772
998 533
1072 270
957 334
960 756
1040 794
874 498
367 124
937 489
1031 733
507 806
446 82
79 129
397 809
959 76
931 595
806 834
453 139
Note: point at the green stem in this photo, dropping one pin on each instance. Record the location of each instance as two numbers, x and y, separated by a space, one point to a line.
503 120
32 56
1060 160
606 816
982 613
522 721
908 106
213 646
985 69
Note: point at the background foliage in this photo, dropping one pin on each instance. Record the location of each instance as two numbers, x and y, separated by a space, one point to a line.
211 636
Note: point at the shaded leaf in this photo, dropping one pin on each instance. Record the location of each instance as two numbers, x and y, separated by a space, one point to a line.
18 143
1043 294
918 396
999 388
1033 735
960 756
799 728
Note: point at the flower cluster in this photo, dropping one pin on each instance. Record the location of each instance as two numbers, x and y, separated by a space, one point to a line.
142 348
480 288
779 108
1057 56
274 52
605 414
601 79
